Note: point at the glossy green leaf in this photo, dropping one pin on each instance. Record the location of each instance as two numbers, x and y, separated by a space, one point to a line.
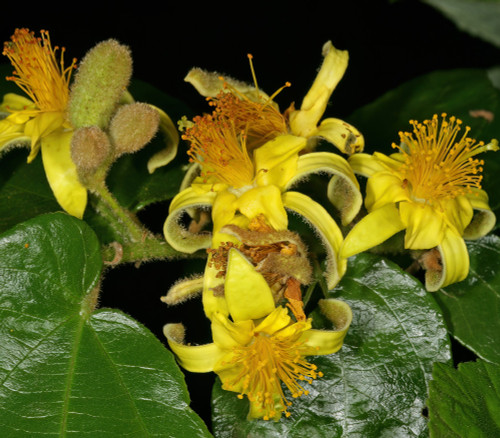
480 18
465 402
67 368
471 307
376 385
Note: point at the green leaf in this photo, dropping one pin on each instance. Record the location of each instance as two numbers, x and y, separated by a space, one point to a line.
66 368
471 307
465 93
480 18
376 385
465 402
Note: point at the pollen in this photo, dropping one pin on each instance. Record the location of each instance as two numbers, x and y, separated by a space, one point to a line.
439 159
39 72
265 364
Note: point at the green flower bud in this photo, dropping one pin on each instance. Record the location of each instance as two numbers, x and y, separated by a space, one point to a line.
100 81
90 147
133 126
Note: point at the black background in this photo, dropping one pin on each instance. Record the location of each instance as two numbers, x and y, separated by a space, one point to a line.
388 43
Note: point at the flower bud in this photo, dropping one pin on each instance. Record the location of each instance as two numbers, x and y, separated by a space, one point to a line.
90 147
100 81
133 126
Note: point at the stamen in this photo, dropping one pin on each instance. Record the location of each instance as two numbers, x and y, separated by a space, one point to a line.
439 163
37 71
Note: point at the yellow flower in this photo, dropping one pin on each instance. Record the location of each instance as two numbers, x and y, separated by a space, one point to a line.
260 347
40 119
245 161
430 189
304 122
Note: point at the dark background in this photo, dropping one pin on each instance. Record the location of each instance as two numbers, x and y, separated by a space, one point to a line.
388 43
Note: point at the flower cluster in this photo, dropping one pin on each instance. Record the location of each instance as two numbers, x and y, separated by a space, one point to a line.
247 157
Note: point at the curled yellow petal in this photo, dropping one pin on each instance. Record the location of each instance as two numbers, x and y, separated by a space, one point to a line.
171 139
342 135
246 291
365 164
343 188
62 174
371 230
330 341
483 220
384 188
326 228
175 233
194 358
303 122
454 263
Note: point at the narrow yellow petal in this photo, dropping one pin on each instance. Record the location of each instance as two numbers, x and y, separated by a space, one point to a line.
327 229
246 291
62 174
194 358
15 102
373 229
425 227
454 260
177 235
365 164
342 135
343 189
171 139
223 210
304 121
458 213
274 322
41 126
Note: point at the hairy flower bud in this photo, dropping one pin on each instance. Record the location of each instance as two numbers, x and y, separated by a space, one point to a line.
133 126
100 81
89 148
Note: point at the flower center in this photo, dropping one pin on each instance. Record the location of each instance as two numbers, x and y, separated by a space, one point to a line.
438 163
223 142
37 71
265 363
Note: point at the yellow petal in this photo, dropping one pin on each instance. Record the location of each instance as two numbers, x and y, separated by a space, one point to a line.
343 188
171 139
41 126
264 200
276 160
275 321
15 102
177 235
454 260
342 135
246 291
327 229
458 213
62 174
329 341
228 334
197 358
365 164
12 134
224 209
304 121
483 220
213 302
371 230
384 188
425 227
